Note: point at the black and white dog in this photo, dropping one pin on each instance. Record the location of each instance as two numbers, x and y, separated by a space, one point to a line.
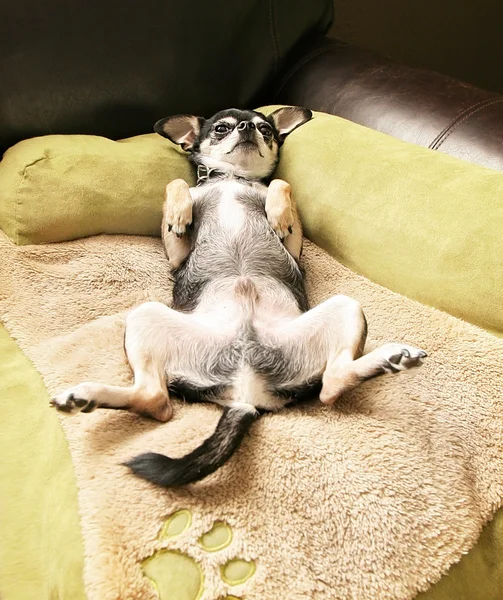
240 333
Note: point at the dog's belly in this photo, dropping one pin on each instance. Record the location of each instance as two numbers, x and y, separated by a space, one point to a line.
253 366
236 243
260 301
240 279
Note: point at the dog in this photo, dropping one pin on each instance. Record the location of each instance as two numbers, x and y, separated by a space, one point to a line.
239 332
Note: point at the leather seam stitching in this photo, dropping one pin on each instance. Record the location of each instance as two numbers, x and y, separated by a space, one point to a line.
467 113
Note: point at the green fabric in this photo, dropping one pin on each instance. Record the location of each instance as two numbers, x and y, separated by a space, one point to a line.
175 576
58 188
178 576
418 222
479 574
41 550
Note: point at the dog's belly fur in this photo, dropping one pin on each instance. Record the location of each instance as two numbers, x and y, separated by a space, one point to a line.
239 277
231 240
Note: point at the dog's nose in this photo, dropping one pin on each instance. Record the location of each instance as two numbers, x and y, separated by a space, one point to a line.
246 125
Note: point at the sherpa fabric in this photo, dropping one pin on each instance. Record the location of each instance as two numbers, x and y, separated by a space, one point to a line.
375 497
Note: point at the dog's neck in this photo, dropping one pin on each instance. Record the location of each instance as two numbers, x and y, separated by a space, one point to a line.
210 171
211 175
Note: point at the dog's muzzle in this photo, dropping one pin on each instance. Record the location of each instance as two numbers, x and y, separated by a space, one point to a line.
247 131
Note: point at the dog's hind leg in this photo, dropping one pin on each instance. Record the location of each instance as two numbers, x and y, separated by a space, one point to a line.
329 340
158 341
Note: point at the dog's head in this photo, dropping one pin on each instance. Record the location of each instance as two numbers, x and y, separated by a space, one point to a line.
243 142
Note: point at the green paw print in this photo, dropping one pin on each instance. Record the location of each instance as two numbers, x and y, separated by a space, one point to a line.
177 576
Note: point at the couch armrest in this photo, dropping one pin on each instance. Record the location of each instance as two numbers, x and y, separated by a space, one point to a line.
415 105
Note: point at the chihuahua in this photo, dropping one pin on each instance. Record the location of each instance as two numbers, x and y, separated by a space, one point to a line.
240 332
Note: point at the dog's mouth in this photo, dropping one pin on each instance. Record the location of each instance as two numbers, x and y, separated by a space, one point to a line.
247 145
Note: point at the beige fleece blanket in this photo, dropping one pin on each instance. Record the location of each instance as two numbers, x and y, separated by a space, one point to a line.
373 498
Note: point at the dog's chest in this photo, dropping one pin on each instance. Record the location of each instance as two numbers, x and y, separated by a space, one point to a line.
231 213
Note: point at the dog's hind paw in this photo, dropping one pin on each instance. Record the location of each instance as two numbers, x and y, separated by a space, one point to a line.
400 357
73 401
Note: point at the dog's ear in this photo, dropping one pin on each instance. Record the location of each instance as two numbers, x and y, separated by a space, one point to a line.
180 129
289 118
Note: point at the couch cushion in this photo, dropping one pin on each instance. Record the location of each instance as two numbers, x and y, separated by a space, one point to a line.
418 222
57 188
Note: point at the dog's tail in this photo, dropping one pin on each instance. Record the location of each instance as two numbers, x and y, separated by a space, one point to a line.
204 460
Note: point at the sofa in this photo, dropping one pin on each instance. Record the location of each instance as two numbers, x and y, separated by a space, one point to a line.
397 179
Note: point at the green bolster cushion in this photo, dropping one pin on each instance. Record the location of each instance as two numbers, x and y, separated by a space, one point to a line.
416 221
58 188
419 222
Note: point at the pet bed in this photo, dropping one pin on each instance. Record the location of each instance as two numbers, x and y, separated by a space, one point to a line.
376 497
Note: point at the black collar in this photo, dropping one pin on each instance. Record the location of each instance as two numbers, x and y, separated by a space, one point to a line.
204 174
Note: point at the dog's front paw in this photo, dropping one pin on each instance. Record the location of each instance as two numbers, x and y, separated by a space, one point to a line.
74 400
178 218
281 221
177 215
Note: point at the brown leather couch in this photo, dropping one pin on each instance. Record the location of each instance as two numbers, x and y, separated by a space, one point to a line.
415 105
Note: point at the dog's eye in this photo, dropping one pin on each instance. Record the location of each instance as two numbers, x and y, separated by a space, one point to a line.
265 129
222 128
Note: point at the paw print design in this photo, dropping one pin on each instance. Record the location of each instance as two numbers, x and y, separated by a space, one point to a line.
176 575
